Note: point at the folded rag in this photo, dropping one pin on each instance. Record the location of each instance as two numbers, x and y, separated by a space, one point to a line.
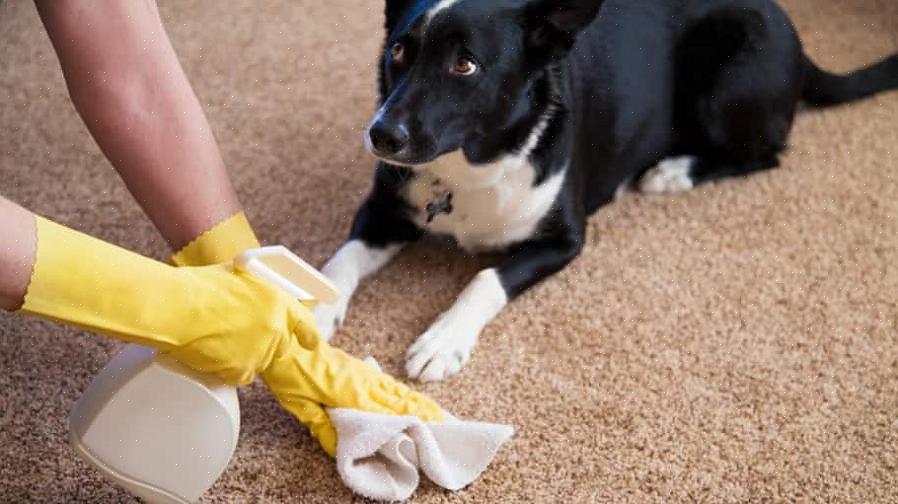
379 456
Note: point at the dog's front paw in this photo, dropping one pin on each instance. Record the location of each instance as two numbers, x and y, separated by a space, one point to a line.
443 350
328 318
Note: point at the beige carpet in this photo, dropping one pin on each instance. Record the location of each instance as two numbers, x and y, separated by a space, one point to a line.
736 343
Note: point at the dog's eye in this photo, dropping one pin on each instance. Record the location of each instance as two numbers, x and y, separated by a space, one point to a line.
465 66
397 52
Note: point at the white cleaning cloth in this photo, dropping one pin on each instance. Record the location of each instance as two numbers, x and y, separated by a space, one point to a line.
379 456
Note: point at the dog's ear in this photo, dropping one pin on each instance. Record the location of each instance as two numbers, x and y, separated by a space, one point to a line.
394 9
552 25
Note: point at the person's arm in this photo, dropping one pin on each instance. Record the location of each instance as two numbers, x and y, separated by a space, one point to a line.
128 86
16 254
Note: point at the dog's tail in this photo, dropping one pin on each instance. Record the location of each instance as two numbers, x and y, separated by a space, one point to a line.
824 89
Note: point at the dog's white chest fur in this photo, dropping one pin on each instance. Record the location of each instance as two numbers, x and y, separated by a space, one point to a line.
494 205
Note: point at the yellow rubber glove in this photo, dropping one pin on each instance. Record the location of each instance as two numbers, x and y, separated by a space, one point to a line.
219 245
211 318
214 320
311 375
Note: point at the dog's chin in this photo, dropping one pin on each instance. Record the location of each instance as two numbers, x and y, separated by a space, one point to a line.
396 161
402 160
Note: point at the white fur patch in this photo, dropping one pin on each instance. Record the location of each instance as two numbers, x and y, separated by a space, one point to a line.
494 205
622 190
446 347
440 7
352 263
670 175
537 132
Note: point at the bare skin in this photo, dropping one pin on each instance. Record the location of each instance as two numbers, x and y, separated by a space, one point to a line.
125 80
16 253
129 88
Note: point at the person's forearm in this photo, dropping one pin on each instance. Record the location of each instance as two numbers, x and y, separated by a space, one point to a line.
16 253
126 82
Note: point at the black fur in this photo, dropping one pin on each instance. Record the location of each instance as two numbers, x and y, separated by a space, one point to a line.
624 83
824 89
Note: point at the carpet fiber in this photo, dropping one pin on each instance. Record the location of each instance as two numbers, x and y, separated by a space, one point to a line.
734 343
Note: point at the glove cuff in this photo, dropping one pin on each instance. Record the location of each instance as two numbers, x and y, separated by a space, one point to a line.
220 244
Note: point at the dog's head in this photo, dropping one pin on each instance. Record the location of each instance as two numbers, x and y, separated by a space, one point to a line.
457 72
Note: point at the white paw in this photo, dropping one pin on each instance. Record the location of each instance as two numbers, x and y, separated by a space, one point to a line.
328 318
671 175
443 350
354 261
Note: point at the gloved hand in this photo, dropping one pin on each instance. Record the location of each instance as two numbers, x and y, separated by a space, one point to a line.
310 376
211 318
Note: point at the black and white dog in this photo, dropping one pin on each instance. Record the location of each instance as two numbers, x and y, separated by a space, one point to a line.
506 123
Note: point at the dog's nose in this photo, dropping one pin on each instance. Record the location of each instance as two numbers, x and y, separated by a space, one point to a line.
388 139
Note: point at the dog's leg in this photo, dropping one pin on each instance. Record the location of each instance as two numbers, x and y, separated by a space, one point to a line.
736 124
670 175
379 232
446 347
355 260
685 172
